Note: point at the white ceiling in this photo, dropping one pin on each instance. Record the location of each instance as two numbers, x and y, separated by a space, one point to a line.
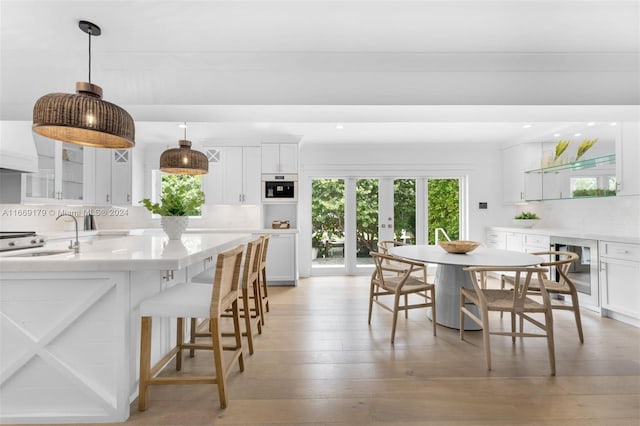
388 71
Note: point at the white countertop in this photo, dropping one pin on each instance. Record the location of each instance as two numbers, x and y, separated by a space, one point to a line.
123 253
571 233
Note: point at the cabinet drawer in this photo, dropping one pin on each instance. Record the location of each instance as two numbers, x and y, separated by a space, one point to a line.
537 241
620 251
496 239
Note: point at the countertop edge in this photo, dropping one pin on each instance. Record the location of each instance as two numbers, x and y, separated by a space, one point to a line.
571 233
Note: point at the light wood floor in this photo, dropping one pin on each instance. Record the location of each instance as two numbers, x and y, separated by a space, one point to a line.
319 363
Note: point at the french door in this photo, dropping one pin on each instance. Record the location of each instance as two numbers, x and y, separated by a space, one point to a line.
350 216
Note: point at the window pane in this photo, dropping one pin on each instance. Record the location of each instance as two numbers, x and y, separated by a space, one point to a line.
404 210
327 222
186 185
443 208
366 220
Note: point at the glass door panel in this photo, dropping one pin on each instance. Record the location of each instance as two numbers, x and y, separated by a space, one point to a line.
367 220
327 223
72 167
42 184
404 210
443 208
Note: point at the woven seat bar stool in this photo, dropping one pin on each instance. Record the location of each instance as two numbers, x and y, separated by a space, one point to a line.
249 294
195 301
264 292
561 261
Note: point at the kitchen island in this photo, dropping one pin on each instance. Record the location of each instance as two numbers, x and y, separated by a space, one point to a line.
69 322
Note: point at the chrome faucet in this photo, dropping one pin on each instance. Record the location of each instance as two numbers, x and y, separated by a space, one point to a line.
76 246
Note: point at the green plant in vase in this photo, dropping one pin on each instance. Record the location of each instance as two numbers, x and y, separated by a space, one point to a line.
585 146
527 215
180 199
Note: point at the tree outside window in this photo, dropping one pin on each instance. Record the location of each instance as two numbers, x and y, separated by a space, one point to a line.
187 186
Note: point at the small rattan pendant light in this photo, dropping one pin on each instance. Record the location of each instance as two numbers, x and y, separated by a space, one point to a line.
184 160
84 118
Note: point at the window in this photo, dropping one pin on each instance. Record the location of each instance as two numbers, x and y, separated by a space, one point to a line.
184 184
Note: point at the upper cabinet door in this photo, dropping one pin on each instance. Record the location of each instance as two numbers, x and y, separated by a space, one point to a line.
251 175
62 173
516 160
289 158
628 159
121 177
280 158
270 158
234 175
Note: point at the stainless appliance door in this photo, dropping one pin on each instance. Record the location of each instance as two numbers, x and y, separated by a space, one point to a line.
584 272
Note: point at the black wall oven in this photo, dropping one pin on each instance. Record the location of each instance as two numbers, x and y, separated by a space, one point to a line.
279 188
584 271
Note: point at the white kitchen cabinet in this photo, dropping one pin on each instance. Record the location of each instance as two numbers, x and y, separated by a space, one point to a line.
619 284
64 173
281 259
113 176
519 187
628 159
496 239
280 158
234 175
534 243
515 241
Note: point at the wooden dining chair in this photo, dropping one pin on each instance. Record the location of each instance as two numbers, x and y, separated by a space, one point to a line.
400 283
188 300
561 261
515 301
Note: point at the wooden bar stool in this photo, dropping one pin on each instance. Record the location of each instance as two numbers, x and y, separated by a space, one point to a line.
250 288
194 301
264 292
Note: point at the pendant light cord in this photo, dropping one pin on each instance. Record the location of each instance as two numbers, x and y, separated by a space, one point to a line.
89 32
185 130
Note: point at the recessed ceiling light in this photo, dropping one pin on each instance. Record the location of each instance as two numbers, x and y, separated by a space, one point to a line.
527 126
182 125
339 126
577 134
555 135
614 124
591 123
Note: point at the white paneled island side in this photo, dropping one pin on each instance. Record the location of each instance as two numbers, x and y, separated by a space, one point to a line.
69 322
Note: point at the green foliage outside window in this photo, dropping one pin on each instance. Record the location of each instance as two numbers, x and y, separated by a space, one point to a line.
404 208
444 208
367 216
327 210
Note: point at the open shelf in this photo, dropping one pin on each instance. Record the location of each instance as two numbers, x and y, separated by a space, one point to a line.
578 165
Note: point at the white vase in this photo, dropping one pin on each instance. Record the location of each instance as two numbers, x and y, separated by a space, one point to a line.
174 226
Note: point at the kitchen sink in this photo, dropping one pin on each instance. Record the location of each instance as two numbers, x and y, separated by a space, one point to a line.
40 253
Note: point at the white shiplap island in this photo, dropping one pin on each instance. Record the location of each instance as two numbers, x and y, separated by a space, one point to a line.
69 322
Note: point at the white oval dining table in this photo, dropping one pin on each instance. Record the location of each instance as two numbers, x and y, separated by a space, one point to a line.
450 274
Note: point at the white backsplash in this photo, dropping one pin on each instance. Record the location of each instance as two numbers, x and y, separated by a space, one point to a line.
607 216
42 218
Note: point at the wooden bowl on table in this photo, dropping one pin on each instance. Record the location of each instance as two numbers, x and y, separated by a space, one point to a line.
459 246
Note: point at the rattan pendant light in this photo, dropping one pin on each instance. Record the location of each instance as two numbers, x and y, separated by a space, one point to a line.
84 118
184 160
